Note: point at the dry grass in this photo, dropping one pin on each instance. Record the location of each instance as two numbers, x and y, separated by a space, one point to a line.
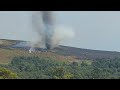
7 55
6 42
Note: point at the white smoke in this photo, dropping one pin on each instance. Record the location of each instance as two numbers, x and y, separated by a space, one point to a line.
49 34
61 33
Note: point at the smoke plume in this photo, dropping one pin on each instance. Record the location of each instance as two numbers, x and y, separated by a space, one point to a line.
49 34
61 33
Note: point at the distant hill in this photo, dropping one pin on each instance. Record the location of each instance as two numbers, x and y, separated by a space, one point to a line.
87 54
11 48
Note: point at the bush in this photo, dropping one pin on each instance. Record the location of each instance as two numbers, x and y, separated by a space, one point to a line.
7 74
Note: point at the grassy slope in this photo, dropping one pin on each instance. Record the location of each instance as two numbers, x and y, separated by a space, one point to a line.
4 42
6 55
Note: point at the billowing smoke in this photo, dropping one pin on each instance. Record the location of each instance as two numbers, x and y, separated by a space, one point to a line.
61 33
49 34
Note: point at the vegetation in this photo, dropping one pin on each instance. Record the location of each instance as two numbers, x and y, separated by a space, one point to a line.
41 68
6 43
7 74
64 53
60 63
6 55
86 54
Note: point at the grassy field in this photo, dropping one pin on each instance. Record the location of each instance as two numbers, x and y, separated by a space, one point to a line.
7 42
6 55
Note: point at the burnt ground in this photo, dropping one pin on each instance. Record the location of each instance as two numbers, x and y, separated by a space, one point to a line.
79 53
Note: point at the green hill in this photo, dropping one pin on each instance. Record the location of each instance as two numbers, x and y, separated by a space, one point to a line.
59 63
12 48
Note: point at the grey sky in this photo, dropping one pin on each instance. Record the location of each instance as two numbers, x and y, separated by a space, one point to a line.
94 30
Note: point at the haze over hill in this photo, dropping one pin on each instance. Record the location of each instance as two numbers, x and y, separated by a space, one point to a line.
76 53
96 30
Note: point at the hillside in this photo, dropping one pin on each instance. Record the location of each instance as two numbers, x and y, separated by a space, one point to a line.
87 54
60 63
11 48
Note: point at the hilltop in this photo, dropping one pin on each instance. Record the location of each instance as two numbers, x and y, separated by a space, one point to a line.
16 48
11 48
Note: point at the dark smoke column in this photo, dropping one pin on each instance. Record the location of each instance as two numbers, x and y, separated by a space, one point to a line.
48 20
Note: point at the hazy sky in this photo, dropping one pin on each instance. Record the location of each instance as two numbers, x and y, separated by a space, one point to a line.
94 29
